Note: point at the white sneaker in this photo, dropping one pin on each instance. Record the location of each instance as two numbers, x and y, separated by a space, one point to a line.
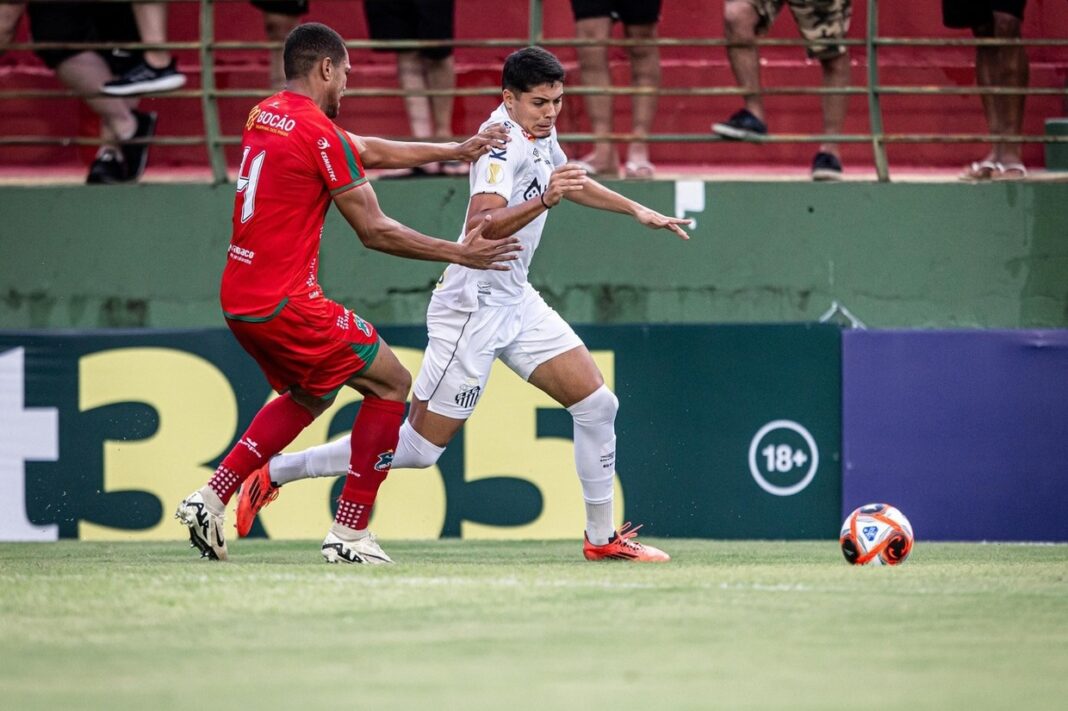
205 528
364 550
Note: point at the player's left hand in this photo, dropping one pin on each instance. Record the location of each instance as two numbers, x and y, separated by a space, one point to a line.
655 221
494 136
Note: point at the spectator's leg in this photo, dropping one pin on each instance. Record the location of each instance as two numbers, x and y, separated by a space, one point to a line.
276 27
836 71
1011 69
9 22
84 73
986 71
152 24
440 75
740 20
411 78
644 72
593 64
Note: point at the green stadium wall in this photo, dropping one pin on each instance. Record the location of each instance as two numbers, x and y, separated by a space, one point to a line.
895 255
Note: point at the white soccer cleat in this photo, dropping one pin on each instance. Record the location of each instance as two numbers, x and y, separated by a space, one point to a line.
364 550
205 528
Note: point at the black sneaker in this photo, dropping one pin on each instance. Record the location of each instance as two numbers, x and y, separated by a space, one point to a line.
136 154
826 166
108 168
143 79
741 126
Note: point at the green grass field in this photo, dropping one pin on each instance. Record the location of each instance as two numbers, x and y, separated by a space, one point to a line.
503 625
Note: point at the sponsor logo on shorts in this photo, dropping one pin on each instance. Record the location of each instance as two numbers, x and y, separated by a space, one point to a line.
483 288
245 256
468 395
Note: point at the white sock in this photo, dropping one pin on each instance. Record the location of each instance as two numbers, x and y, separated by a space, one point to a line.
330 459
212 501
414 451
348 534
599 526
595 459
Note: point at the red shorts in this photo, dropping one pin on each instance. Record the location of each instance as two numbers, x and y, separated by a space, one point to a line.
315 344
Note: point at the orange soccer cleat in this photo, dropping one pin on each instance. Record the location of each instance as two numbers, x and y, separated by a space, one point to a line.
257 491
622 546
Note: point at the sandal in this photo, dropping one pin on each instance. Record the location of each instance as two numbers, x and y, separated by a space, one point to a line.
455 167
1011 171
981 170
639 170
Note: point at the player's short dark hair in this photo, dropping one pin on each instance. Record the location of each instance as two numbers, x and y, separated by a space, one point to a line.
309 44
530 67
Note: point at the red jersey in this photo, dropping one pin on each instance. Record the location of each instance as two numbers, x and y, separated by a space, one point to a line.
294 160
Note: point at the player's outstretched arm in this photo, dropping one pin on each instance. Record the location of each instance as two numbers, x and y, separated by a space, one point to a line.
383 153
598 196
382 233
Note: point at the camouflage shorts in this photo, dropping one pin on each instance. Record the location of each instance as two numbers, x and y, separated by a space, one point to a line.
816 19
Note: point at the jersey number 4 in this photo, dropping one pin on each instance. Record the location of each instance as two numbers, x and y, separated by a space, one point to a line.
246 183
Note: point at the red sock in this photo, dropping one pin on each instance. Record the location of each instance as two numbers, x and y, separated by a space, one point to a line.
273 427
374 439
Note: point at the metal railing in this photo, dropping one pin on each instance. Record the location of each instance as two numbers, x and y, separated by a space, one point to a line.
215 141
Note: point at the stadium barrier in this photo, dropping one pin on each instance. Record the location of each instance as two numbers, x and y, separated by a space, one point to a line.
215 141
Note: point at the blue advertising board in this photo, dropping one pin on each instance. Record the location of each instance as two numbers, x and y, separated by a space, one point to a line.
965 431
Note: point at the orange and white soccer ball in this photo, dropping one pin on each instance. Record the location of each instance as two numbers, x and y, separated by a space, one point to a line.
876 534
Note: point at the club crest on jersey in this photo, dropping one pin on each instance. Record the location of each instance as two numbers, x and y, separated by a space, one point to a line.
494 173
533 190
385 461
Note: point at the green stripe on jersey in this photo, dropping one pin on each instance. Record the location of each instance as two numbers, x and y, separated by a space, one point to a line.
350 157
343 188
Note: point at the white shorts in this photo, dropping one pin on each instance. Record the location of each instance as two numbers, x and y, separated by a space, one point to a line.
463 345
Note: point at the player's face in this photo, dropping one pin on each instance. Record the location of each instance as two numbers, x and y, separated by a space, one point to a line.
336 88
536 110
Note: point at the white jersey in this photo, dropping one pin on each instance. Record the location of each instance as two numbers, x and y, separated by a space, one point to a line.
518 172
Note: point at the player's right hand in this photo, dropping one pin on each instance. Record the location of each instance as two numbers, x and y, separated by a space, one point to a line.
480 252
564 179
493 137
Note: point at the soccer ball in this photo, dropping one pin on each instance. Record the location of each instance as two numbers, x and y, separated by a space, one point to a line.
876 534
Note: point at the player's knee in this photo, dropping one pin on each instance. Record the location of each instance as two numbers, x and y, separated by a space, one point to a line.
600 407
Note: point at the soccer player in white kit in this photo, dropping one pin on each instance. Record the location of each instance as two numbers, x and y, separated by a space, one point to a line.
476 316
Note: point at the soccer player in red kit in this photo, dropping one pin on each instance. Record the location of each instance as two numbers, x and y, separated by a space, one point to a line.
295 161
